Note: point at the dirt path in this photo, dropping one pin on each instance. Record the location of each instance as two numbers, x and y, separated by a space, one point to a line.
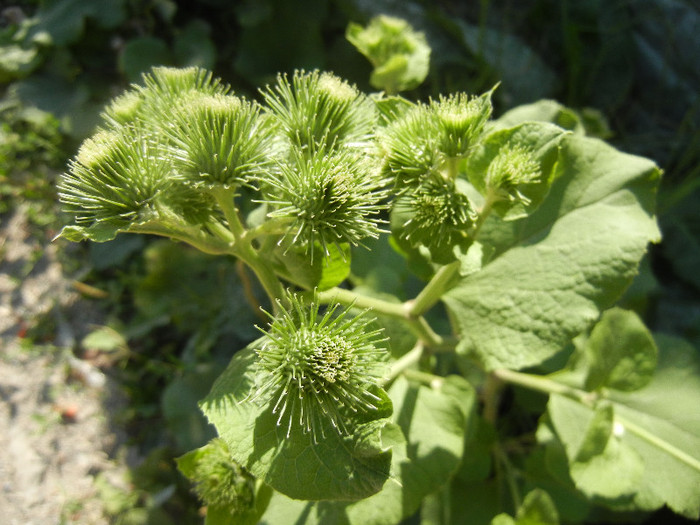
55 434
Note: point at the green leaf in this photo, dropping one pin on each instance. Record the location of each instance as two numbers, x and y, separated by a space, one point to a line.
600 462
63 21
525 75
17 61
185 422
580 250
661 421
537 509
621 352
318 270
588 121
541 140
434 421
97 232
543 111
141 54
345 467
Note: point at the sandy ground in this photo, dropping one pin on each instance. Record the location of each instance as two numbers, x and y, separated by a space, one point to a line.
55 432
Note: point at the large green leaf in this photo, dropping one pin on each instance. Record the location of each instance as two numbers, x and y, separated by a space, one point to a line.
434 421
579 251
344 467
662 422
600 462
657 425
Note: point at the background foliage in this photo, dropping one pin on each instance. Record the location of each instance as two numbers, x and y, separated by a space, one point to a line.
637 62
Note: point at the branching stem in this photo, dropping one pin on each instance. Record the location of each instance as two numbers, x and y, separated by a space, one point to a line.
418 325
405 362
547 386
434 290
243 248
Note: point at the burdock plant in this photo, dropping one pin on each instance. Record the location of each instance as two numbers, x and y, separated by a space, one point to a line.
418 260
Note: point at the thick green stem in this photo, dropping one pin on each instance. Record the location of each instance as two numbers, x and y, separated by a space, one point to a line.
350 298
434 290
203 242
452 168
544 385
225 200
404 362
547 386
243 249
418 325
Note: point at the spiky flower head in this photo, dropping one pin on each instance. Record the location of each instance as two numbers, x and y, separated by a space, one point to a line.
219 481
317 108
327 197
409 149
437 216
511 169
115 177
163 87
220 140
460 121
318 369
437 211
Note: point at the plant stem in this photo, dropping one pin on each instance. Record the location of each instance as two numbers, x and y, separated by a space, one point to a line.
660 443
350 298
418 325
509 473
542 384
433 291
201 241
225 200
424 377
243 249
452 168
491 398
404 362
548 386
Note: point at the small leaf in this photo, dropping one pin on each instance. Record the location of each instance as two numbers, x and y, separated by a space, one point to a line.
320 270
621 352
97 232
345 467
537 509
600 463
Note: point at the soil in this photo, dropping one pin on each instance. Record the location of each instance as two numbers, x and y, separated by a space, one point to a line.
56 435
